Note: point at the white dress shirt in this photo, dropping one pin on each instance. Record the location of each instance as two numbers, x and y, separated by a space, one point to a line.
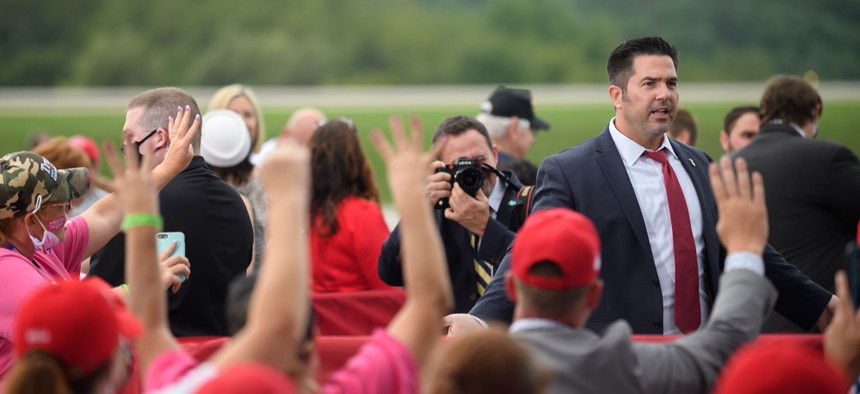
646 176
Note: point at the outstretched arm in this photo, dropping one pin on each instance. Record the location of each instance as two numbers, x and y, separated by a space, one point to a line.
104 217
425 272
136 195
278 310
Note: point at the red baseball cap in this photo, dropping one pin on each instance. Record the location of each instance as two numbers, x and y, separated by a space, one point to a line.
780 367
249 378
78 322
562 236
88 146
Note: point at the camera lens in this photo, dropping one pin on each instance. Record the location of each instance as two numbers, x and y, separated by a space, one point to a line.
470 179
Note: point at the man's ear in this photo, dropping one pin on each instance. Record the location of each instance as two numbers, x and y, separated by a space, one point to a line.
513 127
162 138
616 95
724 140
510 286
594 294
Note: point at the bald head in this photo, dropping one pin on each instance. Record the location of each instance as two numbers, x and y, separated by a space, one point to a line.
302 124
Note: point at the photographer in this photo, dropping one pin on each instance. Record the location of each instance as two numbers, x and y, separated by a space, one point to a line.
476 210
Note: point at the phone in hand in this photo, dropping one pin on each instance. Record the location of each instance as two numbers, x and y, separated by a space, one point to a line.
164 240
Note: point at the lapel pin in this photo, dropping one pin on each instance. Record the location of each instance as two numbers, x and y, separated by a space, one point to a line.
512 203
692 162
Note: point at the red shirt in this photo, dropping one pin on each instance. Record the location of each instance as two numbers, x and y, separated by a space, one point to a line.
347 260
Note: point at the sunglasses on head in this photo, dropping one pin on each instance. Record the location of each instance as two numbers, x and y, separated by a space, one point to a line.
347 121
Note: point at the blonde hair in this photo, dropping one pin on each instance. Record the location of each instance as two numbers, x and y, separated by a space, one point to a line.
221 100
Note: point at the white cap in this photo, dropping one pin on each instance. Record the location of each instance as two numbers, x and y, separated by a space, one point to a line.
225 140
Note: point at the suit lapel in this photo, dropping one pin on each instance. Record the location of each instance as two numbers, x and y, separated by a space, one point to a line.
612 165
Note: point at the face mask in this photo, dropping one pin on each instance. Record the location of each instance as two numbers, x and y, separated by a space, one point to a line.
49 239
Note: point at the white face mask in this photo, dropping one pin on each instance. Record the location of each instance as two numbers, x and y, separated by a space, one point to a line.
49 239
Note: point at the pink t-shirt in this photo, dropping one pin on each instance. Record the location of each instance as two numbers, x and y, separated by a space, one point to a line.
383 365
176 371
20 277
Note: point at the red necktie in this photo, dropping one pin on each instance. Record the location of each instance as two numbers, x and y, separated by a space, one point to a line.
687 313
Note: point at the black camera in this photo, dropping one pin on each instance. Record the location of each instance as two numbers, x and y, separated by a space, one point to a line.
465 172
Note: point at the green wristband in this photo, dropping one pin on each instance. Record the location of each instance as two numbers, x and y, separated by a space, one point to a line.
142 219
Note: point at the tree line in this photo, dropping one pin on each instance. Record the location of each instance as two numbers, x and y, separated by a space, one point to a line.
341 42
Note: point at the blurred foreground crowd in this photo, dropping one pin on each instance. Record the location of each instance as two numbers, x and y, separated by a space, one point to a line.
518 278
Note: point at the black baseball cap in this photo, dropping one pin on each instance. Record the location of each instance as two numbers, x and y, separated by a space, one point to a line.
509 102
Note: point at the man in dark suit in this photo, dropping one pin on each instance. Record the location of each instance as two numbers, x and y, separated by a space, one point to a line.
476 231
652 203
813 186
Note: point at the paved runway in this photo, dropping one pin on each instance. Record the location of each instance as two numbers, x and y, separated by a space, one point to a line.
396 96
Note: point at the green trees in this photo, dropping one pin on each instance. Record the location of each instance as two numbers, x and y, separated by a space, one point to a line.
310 42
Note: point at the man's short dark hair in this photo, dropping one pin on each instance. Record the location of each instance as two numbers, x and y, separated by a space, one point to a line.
684 121
160 103
619 67
789 99
460 124
735 114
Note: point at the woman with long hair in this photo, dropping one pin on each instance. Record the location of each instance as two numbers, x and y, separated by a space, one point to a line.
347 226
239 171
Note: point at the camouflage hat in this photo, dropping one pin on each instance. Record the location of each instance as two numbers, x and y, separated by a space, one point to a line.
30 180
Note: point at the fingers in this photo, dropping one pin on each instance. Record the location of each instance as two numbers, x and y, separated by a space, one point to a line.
397 132
167 252
381 144
743 178
101 182
112 159
417 133
727 172
843 292
758 188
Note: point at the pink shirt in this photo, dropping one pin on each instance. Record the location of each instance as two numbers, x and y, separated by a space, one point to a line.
383 365
20 277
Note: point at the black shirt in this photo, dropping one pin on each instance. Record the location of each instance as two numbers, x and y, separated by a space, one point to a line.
218 244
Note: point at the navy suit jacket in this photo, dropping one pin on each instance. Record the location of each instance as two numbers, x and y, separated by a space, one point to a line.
458 249
591 179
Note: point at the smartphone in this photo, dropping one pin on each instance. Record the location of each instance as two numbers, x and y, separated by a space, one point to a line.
163 241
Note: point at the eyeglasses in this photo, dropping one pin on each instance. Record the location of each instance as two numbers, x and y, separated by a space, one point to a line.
347 121
137 144
67 206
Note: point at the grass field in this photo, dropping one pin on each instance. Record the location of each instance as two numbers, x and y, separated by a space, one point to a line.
570 125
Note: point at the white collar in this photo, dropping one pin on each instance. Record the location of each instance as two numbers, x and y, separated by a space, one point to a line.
630 150
495 198
794 126
536 323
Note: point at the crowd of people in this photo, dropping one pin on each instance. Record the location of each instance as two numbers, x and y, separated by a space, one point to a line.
540 274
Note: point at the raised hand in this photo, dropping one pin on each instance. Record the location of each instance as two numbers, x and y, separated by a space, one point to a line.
740 200
407 164
132 183
842 336
287 169
181 131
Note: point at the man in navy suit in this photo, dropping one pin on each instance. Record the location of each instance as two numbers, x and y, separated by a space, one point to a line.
476 230
634 183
